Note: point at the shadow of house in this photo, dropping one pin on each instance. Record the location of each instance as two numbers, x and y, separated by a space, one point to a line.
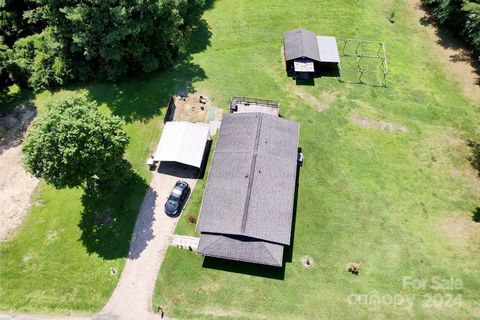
246 268
206 156
305 82
288 252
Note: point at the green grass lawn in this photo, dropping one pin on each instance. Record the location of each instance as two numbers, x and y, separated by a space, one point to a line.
399 203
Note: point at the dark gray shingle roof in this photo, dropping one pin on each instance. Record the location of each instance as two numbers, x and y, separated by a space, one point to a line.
241 249
299 43
251 186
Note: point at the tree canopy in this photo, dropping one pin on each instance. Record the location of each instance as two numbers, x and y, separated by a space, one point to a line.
73 144
461 16
53 42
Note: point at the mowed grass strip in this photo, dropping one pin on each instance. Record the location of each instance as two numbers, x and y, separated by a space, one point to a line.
400 203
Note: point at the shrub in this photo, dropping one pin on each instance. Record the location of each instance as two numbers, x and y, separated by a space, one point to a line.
192 218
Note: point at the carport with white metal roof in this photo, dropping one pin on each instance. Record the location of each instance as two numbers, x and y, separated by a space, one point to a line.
183 142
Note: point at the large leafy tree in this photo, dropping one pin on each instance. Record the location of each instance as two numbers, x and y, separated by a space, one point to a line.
19 18
39 61
56 41
73 144
15 24
461 16
110 38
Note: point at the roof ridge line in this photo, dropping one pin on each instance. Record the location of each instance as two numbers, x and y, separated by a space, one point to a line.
257 240
211 243
270 253
301 42
252 174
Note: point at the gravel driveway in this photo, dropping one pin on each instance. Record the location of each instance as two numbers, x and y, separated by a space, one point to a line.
153 231
150 240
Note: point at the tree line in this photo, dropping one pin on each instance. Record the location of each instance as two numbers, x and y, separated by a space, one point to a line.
460 16
47 43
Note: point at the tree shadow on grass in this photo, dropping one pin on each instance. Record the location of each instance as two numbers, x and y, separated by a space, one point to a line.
476 215
143 97
108 220
449 41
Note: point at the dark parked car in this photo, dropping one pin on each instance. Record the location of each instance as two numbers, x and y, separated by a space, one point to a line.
177 198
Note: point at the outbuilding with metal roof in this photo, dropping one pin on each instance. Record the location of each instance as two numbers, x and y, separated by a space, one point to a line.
307 54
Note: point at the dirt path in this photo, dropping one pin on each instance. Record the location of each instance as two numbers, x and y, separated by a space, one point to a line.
451 54
16 185
16 189
151 238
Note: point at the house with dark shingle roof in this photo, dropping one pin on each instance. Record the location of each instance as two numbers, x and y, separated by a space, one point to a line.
248 204
306 53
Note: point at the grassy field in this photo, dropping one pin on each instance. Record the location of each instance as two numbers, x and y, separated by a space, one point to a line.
399 203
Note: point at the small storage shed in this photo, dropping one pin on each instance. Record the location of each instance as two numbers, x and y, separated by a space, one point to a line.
306 54
183 142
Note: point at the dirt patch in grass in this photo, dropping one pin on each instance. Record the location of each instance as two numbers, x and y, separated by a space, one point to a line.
52 235
307 261
16 185
375 124
449 153
14 124
452 55
211 287
233 314
322 103
462 230
189 108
